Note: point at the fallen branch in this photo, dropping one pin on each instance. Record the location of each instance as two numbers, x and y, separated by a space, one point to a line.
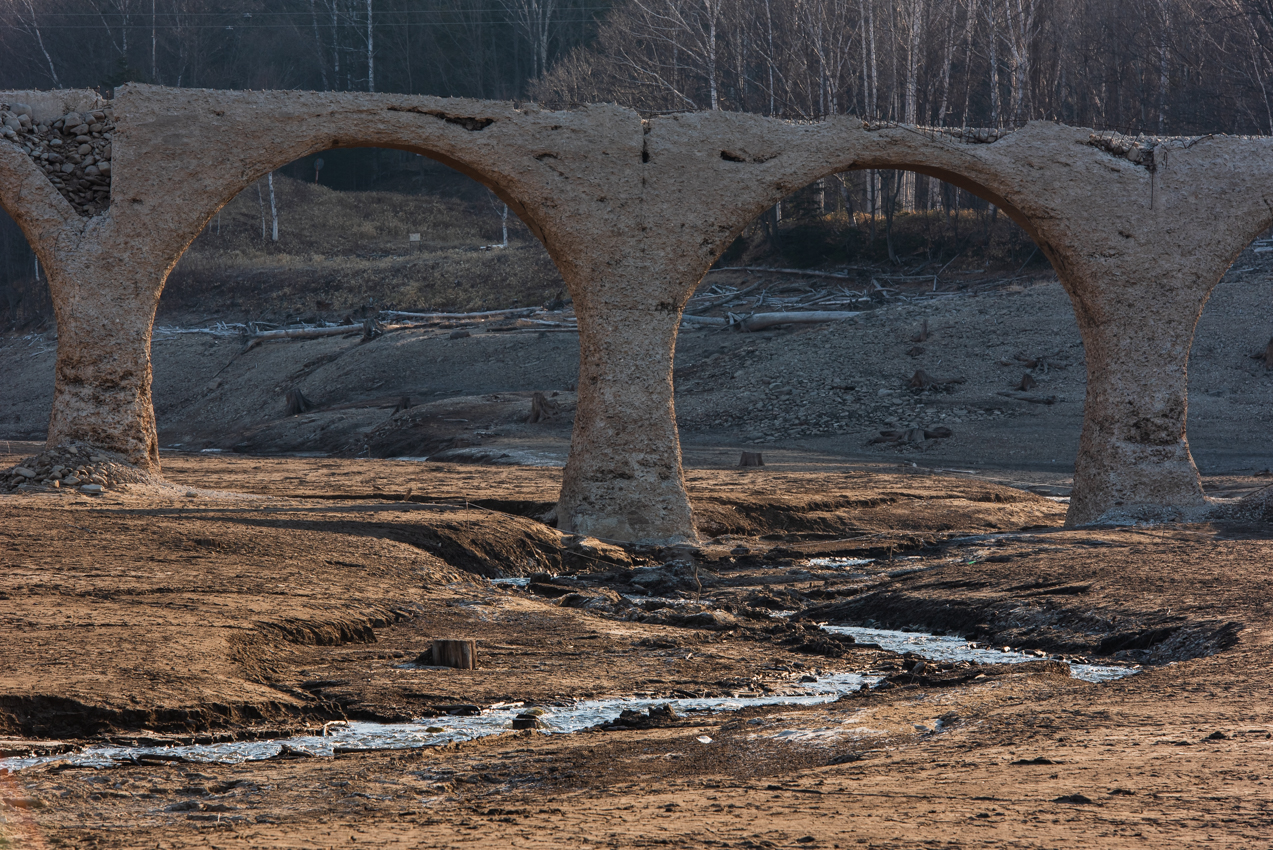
1032 399
912 435
301 333
921 380
722 299
760 321
512 311
800 272
229 330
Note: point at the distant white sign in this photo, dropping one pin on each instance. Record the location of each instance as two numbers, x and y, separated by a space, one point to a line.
413 237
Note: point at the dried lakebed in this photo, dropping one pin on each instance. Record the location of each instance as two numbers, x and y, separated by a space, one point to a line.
341 737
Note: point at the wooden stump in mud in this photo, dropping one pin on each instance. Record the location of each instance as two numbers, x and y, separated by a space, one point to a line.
541 408
751 459
297 403
460 654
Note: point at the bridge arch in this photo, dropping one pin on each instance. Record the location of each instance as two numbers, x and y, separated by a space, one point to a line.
633 212
179 156
1136 302
337 244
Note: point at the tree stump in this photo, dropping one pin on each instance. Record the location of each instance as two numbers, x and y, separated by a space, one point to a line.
460 654
297 403
751 459
541 408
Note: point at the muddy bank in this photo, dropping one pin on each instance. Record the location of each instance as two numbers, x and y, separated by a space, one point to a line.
244 595
269 597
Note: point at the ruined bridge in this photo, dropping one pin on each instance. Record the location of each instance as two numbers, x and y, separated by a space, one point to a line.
634 212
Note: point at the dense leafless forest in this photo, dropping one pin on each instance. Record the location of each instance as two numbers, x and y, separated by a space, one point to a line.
1162 66
1151 66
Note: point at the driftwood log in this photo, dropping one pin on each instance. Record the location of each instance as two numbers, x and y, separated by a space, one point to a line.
302 333
489 314
722 299
913 436
797 272
921 380
460 654
760 321
1031 398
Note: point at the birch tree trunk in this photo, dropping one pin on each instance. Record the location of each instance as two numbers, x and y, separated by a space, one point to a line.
273 211
910 105
318 46
769 57
1021 16
713 13
33 26
992 41
371 56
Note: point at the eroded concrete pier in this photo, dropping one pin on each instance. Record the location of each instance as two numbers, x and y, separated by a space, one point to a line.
634 212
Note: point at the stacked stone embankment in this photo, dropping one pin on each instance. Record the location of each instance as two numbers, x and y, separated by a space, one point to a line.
74 151
1138 150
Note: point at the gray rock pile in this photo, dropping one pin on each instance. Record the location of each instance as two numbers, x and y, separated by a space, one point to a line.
970 135
1138 150
73 468
978 135
74 151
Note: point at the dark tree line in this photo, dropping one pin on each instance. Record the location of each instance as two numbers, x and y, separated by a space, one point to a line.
1157 66
473 48
1153 66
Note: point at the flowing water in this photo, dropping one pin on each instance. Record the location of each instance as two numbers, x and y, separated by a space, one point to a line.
435 731
943 648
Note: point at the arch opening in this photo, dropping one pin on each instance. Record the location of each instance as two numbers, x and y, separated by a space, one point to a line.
1230 376
965 352
29 337
368 241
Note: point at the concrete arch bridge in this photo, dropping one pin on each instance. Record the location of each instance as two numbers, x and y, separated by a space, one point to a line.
634 211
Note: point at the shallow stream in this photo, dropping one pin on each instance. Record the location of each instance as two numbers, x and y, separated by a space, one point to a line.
435 731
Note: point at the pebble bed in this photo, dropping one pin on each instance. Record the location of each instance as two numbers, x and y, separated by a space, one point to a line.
72 468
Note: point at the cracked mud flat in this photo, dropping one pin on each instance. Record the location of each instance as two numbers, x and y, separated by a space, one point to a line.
289 593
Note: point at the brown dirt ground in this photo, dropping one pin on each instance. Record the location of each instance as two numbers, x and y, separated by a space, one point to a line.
265 595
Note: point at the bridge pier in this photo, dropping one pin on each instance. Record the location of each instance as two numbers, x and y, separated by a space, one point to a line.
623 480
105 307
633 212
1134 463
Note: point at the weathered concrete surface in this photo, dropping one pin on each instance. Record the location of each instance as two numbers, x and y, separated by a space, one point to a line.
104 294
634 212
1138 247
180 155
